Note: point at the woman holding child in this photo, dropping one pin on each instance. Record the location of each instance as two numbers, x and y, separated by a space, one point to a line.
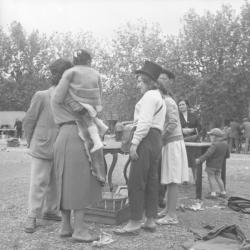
78 188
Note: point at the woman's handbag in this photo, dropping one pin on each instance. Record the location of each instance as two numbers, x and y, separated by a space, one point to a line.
128 133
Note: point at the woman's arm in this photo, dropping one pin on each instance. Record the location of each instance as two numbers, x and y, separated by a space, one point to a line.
171 119
63 86
32 115
208 154
148 106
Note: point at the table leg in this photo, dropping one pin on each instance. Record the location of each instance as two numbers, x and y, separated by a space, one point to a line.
126 169
110 171
105 165
223 172
199 181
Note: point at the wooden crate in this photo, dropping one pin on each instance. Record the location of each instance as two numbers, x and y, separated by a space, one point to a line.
107 216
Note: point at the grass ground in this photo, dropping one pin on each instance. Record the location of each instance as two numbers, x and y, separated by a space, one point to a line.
14 184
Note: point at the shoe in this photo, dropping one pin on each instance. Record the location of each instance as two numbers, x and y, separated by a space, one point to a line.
96 147
79 239
51 216
167 221
125 232
65 234
148 229
30 225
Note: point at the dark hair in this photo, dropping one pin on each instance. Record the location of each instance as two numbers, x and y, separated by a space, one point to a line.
81 57
227 122
148 81
183 100
57 69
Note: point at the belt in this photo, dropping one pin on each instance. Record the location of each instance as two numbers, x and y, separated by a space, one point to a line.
67 123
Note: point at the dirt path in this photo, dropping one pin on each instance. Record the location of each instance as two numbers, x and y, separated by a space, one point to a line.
14 184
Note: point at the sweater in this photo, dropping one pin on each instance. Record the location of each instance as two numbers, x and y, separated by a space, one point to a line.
62 112
144 115
191 122
215 155
172 130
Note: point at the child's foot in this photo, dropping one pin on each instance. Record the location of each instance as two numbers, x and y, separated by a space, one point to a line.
96 147
103 130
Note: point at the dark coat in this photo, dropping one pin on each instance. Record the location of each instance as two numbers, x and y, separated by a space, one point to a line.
216 154
192 122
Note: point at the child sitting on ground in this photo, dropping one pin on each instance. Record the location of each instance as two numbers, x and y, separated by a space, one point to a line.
214 157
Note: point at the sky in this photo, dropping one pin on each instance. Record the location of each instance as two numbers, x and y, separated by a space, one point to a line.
102 17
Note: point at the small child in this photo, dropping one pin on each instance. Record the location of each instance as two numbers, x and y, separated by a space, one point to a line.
84 97
214 158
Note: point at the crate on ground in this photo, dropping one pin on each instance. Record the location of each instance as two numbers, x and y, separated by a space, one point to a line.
113 209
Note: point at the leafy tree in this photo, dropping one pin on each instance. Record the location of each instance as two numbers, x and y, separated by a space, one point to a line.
132 44
211 45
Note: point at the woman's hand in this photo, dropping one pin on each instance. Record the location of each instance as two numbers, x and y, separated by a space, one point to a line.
132 152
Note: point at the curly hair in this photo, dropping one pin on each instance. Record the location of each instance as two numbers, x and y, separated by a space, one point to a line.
57 69
81 57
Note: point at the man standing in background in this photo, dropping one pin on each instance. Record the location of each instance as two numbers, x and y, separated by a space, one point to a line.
40 132
246 133
19 128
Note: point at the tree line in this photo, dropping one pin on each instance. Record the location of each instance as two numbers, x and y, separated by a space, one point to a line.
210 58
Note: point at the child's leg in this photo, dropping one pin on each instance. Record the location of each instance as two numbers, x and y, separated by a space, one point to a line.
103 128
220 182
212 182
93 132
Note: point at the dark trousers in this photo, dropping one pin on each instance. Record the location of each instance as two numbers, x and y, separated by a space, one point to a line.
19 133
143 177
234 142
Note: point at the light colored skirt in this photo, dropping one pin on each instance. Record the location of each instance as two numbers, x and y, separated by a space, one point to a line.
78 188
174 166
